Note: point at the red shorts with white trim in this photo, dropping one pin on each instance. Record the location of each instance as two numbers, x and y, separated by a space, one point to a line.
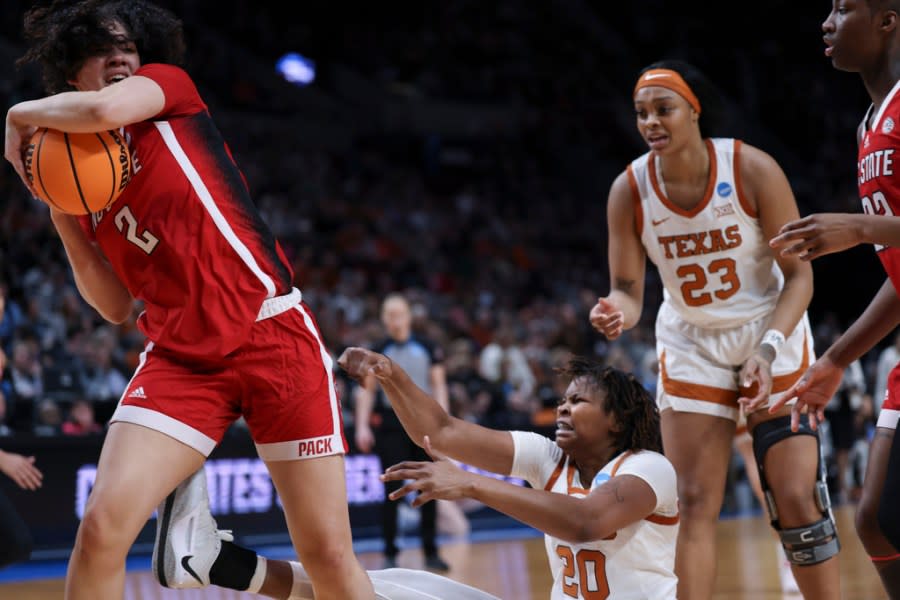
280 381
890 408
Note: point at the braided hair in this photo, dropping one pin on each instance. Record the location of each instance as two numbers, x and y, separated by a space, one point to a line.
634 408
63 34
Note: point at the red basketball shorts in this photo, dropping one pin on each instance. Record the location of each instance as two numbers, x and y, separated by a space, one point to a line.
890 408
280 381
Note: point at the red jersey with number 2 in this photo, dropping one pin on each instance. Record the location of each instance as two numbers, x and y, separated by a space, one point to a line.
878 172
185 237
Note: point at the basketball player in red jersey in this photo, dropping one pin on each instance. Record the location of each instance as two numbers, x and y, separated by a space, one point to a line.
228 335
863 36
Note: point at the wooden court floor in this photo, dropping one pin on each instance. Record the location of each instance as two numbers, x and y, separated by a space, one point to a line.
517 570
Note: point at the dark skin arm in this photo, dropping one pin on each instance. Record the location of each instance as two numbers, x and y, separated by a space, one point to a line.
611 506
821 380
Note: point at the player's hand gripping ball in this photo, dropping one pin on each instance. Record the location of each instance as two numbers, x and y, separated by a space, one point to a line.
78 173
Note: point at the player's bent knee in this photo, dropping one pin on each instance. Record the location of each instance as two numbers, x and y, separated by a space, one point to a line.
813 543
98 530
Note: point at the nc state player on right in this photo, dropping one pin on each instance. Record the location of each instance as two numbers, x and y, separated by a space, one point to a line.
732 327
862 37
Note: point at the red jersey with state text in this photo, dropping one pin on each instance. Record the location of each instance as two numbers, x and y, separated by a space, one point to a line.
184 236
879 189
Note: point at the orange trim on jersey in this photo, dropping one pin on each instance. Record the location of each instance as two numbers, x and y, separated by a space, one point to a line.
619 464
573 489
707 193
663 520
781 383
739 182
636 200
671 80
695 391
555 475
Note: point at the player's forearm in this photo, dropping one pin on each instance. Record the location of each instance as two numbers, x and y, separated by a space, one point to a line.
558 515
877 229
96 281
879 319
628 303
75 112
419 413
793 300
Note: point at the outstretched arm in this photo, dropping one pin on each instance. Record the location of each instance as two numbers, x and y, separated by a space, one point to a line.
822 379
826 233
611 506
421 415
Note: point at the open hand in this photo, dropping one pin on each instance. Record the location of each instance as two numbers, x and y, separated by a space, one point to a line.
816 235
756 371
438 480
17 139
607 318
21 470
813 391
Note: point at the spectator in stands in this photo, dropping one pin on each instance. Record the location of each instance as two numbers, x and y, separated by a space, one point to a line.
503 363
81 419
25 370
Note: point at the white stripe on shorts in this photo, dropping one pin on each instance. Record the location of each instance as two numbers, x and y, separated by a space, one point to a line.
157 421
888 418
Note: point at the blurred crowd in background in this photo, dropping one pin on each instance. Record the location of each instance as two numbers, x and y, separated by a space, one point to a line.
459 153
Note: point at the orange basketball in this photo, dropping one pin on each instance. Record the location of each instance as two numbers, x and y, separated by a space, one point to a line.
78 173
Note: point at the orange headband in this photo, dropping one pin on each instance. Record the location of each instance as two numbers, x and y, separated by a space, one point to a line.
668 79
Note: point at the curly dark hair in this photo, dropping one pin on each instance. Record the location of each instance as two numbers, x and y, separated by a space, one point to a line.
634 408
63 34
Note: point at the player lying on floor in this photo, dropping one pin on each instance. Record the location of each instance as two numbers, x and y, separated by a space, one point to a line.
602 493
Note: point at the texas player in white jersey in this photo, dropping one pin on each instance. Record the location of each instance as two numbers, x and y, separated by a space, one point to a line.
864 37
732 328
602 492
635 561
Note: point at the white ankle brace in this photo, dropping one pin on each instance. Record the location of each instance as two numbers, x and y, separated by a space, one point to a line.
259 576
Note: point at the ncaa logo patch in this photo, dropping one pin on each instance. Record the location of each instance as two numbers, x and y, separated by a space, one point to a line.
599 479
887 126
724 189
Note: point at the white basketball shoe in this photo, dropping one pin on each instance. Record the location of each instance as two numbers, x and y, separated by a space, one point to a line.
187 539
788 582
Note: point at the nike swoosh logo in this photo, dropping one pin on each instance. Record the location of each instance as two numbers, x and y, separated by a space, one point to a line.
185 562
655 75
659 221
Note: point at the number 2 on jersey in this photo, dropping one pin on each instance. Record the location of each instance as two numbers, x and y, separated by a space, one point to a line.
127 224
586 571
696 281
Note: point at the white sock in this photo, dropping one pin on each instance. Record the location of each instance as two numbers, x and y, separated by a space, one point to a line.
259 576
302 588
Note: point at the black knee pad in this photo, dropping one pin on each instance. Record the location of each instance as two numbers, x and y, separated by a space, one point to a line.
813 543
